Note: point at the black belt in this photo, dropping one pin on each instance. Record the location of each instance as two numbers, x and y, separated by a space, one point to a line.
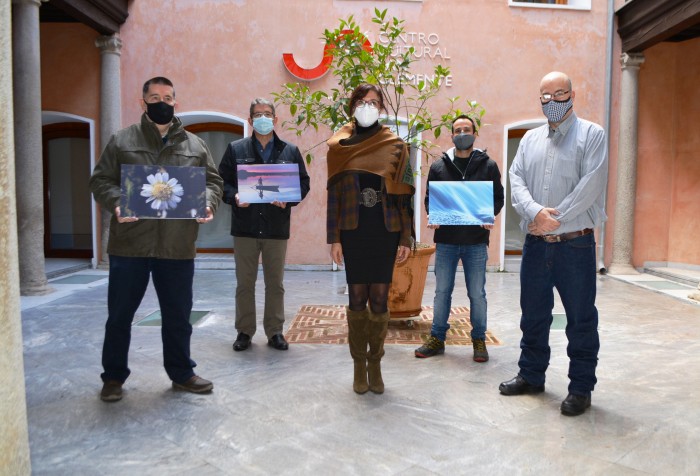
564 236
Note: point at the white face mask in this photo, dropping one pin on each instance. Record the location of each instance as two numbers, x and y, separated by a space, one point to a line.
366 115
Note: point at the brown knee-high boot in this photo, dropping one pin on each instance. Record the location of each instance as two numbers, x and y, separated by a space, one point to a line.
377 329
357 339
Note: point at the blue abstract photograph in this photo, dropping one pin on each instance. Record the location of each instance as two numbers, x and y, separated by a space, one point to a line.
461 203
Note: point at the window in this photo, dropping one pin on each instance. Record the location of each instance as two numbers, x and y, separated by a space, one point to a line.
562 4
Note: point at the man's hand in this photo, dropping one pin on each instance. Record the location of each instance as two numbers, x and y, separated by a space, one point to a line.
208 218
241 204
278 203
544 222
337 253
121 219
487 226
402 254
432 226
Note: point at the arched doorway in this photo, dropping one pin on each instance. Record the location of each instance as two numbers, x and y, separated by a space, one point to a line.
512 238
217 130
69 212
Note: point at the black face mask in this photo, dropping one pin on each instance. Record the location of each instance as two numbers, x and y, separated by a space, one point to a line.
160 112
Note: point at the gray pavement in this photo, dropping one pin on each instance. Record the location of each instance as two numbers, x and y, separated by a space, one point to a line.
294 412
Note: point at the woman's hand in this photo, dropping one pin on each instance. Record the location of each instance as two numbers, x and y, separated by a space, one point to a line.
402 254
337 253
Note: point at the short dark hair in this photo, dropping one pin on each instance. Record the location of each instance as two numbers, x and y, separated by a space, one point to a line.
361 91
264 102
464 116
157 80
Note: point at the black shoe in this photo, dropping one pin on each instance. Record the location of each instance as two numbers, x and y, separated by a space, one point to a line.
277 341
519 386
574 405
242 342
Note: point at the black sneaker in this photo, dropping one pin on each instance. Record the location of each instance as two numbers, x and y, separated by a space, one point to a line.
433 346
480 352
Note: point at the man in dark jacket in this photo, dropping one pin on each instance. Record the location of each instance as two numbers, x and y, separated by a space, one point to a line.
161 248
468 243
260 228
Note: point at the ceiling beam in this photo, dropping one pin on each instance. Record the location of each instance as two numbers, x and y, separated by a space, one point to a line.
644 23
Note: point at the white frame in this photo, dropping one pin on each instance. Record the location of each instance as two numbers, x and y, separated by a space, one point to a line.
572 5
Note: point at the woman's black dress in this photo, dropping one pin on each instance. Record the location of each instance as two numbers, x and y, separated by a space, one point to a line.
369 251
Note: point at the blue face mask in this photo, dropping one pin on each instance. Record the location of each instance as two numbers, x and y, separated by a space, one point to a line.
263 125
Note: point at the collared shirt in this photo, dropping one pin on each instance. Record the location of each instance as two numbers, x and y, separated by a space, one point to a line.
564 168
265 152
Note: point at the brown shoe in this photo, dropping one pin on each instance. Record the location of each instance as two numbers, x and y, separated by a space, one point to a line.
480 352
111 391
195 385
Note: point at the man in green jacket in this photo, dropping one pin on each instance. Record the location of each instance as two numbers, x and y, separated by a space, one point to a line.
162 248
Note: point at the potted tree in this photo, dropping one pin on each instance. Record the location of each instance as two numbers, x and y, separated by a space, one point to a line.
352 61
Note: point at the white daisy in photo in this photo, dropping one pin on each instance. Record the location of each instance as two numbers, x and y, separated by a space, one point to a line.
162 191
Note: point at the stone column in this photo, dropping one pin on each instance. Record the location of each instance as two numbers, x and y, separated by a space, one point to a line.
623 231
14 438
110 115
28 155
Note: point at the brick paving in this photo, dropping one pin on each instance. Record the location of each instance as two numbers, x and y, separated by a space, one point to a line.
324 324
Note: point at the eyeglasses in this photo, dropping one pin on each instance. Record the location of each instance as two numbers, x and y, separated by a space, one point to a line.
267 114
362 103
546 97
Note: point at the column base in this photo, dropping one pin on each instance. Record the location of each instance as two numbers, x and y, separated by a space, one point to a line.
622 269
35 290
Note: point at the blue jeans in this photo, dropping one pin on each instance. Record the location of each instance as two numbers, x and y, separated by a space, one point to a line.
128 280
569 267
474 259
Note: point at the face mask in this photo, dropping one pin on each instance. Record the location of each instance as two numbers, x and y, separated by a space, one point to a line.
160 112
463 141
263 125
556 110
366 116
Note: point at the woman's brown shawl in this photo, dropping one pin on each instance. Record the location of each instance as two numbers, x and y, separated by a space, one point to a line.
383 154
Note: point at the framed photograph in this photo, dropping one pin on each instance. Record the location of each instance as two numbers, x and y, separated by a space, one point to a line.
155 191
461 203
266 183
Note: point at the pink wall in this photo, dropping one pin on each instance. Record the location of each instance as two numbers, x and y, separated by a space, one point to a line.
668 172
222 53
70 70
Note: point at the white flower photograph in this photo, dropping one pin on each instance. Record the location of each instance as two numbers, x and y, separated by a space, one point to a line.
154 191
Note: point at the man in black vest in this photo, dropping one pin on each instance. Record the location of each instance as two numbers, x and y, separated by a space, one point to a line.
260 228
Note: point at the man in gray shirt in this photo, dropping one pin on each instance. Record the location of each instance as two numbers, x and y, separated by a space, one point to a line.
558 180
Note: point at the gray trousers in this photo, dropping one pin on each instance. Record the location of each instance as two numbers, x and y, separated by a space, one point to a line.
247 252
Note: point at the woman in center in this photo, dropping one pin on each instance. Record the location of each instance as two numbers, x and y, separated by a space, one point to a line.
369 225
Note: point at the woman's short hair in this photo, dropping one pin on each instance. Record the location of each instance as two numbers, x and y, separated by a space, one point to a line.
361 91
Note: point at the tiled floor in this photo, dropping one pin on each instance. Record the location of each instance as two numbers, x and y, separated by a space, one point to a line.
294 412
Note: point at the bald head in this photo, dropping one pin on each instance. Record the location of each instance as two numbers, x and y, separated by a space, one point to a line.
556 80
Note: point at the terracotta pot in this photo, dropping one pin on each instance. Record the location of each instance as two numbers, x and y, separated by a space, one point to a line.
408 283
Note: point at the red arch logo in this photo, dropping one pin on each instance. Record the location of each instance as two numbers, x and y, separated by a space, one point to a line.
319 71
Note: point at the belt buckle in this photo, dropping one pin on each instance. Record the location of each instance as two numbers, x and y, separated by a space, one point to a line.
369 197
552 238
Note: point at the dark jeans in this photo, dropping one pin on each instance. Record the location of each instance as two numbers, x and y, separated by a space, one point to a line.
128 280
570 268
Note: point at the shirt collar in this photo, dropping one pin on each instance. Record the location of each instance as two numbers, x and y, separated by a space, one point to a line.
564 126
